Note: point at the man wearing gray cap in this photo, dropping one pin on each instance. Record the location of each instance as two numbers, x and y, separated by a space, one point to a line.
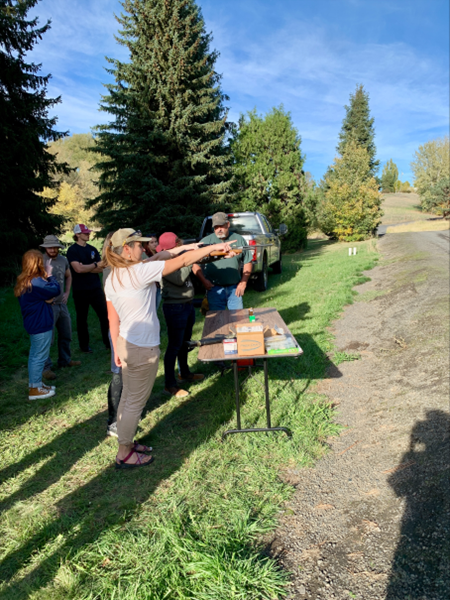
61 316
222 279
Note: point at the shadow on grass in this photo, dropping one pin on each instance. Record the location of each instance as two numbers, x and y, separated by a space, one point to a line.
113 497
420 566
61 454
88 510
14 351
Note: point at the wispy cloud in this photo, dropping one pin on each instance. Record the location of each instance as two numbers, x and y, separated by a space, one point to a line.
306 64
312 73
74 52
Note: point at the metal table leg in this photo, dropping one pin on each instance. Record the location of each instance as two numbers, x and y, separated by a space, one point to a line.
236 391
238 409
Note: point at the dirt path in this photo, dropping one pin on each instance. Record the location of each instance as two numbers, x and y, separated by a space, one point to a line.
371 521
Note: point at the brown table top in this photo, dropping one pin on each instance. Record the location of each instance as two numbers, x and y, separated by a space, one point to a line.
218 323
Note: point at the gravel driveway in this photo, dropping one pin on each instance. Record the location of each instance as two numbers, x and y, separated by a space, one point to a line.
371 520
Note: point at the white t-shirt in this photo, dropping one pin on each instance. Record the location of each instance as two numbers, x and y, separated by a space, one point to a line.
136 304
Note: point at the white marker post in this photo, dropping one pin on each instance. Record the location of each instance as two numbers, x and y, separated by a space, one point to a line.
349 251
354 251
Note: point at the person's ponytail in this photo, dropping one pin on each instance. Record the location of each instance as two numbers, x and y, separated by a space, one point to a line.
115 260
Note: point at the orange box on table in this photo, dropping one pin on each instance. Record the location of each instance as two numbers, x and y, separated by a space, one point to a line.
250 339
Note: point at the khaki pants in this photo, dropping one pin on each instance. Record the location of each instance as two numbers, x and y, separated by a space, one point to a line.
139 369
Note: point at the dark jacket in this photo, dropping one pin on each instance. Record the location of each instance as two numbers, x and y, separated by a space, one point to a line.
37 314
177 287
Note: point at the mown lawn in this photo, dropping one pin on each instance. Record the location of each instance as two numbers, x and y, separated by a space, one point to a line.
190 525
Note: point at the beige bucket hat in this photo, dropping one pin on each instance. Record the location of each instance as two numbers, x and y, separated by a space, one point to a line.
51 241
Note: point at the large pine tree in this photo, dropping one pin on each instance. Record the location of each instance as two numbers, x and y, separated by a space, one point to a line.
166 163
358 126
25 127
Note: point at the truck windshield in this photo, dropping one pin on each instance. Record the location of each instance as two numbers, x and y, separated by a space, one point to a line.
242 224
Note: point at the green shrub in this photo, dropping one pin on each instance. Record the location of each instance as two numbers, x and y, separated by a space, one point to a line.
350 208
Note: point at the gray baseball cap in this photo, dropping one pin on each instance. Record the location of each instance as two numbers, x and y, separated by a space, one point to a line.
51 241
219 218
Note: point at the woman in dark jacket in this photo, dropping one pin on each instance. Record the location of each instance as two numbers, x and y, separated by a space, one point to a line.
178 308
35 289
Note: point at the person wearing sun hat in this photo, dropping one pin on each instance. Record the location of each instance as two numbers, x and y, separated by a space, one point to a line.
134 325
179 312
87 291
62 321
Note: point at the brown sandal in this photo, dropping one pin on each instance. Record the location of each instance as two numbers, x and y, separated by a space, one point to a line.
122 464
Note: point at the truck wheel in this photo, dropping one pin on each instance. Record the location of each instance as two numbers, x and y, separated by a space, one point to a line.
262 279
277 267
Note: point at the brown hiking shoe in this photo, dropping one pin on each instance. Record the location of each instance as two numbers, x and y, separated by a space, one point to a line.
40 393
74 363
191 377
48 374
176 391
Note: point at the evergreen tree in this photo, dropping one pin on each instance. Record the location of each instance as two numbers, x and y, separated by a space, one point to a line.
165 164
350 208
389 176
358 125
25 165
268 172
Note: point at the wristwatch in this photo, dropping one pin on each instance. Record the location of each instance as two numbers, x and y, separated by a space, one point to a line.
96 265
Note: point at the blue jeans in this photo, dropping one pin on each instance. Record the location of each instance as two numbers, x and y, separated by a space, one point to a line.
39 351
63 325
180 319
221 298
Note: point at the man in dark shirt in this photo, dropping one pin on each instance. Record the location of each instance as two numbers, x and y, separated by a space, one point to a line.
222 279
85 264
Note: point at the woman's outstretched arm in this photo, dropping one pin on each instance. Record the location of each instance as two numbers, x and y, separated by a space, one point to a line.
190 258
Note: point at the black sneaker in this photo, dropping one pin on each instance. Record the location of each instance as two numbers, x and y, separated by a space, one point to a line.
87 350
111 430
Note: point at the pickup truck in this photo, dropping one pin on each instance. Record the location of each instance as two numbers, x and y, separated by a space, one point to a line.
257 231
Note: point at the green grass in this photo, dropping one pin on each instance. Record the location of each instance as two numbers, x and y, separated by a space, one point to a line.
340 357
193 524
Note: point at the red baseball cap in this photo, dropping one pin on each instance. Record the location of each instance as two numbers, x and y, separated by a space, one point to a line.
167 241
81 229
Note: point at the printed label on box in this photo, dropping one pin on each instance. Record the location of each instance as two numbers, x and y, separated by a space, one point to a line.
230 346
250 345
249 329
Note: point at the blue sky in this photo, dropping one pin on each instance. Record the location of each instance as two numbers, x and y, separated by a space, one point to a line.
307 55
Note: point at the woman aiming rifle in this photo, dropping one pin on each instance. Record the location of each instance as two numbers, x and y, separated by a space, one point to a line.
134 326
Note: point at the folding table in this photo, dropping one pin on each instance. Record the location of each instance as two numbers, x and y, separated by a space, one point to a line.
218 323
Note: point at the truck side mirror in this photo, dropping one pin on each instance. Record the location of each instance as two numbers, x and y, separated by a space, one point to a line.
282 230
